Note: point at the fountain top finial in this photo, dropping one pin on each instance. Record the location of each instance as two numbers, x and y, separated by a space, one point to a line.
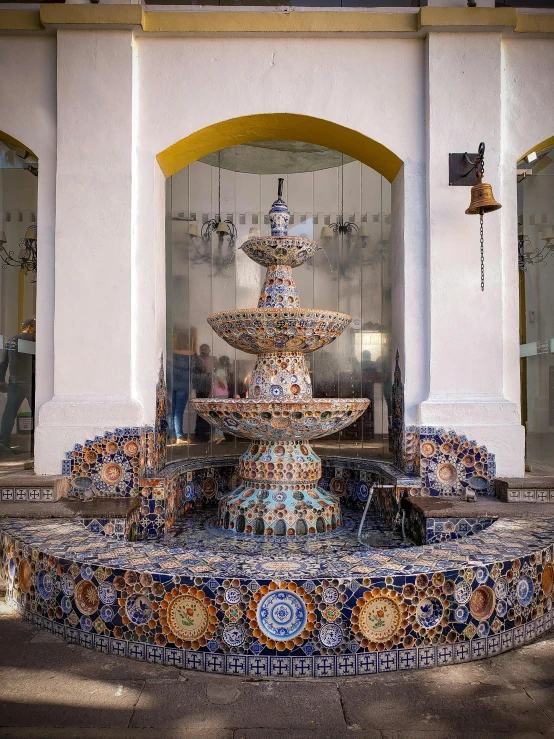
279 215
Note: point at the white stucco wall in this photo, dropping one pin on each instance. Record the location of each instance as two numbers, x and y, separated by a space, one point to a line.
371 85
120 100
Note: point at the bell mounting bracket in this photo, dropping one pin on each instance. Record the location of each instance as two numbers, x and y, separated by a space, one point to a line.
462 170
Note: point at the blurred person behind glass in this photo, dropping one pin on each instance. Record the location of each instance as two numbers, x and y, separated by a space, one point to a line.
183 353
222 383
202 382
21 383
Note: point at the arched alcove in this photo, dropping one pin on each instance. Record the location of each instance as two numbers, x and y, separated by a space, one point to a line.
535 200
18 278
285 126
295 128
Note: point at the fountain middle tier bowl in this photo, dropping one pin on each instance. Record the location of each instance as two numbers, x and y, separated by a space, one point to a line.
280 419
270 250
261 330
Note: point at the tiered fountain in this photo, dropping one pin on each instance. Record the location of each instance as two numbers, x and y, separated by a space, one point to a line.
279 495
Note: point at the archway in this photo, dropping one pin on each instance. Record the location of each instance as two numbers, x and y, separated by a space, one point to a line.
292 128
536 315
285 126
18 257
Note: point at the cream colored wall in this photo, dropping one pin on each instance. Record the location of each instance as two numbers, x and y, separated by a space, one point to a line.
122 99
375 86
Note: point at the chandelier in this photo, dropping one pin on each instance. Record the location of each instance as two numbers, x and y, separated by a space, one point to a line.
217 225
342 227
538 255
225 230
27 257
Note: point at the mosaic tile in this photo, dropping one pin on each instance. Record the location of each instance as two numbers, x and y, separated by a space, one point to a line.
450 464
398 442
197 562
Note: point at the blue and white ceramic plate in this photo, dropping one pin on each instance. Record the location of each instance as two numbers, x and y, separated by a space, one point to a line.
461 614
429 612
107 613
66 604
282 615
501 588
11 567
232 596
330 596
481 574
138 608
68 584
525 590
462 592
483 628
330 635
86 572
501 608
362 491
107 593
45 584
233 635
86 623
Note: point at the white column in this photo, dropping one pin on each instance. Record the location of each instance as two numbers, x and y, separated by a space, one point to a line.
409 284
466 333
93 328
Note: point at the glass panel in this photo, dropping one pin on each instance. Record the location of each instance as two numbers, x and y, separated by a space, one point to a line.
536 261
18 243
351 273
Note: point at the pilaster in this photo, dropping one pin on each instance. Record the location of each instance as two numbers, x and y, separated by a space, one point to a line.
93 326
466 332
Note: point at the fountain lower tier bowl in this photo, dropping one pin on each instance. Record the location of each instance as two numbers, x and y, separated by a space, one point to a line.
261 330
279 509
270 250
281 419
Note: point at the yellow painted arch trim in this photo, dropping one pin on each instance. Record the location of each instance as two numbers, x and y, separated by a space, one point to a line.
543 145
286 126
15 142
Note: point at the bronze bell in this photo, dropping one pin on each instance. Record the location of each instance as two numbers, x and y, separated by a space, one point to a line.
482 199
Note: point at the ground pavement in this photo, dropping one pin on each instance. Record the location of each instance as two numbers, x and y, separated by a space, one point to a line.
53 690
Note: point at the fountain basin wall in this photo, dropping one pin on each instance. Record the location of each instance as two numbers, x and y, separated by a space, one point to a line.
322 608
357 614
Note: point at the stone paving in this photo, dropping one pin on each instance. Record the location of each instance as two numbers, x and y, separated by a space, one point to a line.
53 690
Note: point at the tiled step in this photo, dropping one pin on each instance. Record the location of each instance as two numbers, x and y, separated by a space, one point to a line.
525 489
26 487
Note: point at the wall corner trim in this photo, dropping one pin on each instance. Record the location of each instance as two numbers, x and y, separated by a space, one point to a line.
474 19
58 15
535 23
20 20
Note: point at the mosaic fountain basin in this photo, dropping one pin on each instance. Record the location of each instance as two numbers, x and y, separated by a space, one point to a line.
281 419
209 601
284 250
259 330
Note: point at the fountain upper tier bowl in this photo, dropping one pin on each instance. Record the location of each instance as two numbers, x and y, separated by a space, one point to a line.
281 419
261 330
271 250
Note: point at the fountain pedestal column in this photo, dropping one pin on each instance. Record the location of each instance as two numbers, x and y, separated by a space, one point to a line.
279 495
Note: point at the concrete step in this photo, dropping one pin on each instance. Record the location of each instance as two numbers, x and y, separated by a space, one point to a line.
525 489
26 487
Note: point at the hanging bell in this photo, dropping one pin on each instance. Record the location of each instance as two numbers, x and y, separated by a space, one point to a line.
482 199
